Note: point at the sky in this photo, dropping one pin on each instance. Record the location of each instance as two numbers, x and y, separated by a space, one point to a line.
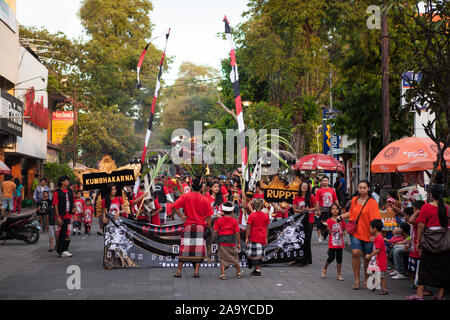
194 26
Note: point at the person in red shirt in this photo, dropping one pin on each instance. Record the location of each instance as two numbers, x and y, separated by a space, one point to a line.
305 202
325 196
79 205
256 236
378 257
336 241
196 215
112 204
433 266
227 229
88 214
414 253
216 199
63 206
153 216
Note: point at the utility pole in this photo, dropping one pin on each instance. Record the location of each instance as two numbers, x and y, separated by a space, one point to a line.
75 113
385 89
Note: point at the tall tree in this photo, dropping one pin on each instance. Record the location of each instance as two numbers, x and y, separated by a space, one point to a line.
357 89
102 132
118 31
283 44
429 36
192 97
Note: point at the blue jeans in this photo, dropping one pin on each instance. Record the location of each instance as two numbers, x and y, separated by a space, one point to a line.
398 254
356 244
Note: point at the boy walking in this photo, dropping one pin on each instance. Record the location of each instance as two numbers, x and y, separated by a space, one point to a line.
378 257
256 236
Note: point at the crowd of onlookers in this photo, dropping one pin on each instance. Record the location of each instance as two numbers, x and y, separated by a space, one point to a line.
403 253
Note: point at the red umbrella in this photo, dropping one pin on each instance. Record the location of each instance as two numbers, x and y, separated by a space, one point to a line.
4 169
318 161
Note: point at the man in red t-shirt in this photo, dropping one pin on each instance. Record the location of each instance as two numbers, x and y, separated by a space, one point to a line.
325 196
196 215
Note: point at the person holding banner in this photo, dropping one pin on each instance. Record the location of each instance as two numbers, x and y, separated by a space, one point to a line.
112 204
305 202
197 217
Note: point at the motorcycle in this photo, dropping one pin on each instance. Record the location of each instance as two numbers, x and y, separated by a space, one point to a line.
21 227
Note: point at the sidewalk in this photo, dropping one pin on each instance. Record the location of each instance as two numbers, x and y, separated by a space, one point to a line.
30 272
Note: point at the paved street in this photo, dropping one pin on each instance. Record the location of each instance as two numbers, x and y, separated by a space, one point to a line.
30 272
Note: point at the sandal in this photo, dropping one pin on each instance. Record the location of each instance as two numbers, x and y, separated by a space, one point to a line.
177 275
438 298
414 297
356 286
240 274
340 278
382 293
196 275
221 277
324 273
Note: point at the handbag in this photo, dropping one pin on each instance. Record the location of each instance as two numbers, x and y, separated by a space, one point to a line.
351 225
435 240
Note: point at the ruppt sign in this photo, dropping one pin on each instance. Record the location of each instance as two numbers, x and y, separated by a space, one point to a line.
279 195
99 180
11 113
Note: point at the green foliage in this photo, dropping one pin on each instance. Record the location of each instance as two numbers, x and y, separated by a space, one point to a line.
357 89
103 132
55 170
189 99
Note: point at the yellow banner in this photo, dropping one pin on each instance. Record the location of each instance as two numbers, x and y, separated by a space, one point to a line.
61 122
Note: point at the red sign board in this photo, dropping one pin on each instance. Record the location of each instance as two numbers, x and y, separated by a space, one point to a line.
35 110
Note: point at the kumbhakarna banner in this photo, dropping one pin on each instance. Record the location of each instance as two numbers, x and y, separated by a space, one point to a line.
130 243
98 180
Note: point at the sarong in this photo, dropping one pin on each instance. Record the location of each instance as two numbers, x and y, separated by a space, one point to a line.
255 251
193 244
228 256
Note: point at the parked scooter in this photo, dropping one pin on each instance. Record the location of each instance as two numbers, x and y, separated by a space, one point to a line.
21 227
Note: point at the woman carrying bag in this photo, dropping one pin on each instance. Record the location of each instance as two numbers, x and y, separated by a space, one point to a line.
433 237
363 210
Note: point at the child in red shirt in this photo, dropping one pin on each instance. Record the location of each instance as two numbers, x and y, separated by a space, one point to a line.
227 229
256 236
335 242
88 213
77 219
378 257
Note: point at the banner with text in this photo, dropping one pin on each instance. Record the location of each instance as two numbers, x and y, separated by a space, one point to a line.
61 122
130 243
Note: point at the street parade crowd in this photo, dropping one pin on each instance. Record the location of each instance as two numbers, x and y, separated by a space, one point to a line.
216 206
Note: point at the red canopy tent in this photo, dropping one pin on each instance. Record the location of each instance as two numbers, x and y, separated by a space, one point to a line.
318 161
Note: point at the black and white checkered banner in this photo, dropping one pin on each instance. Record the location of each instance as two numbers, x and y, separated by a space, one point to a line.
130 243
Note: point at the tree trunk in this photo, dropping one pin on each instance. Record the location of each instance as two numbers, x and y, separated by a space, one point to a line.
298 137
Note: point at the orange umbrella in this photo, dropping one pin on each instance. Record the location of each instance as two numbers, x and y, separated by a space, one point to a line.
409 154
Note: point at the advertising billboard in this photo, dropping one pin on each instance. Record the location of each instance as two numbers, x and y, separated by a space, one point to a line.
61 122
